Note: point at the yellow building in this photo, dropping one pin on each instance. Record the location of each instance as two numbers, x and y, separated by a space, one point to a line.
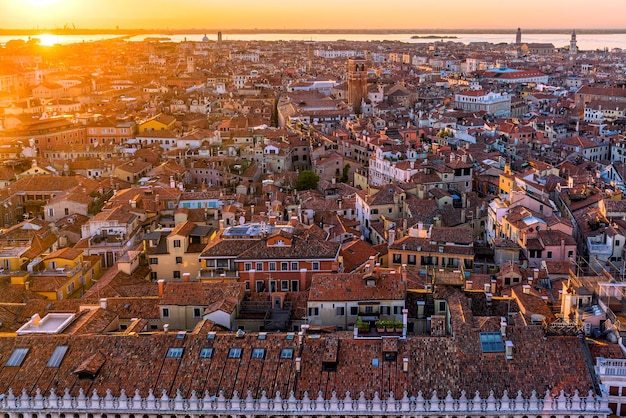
157 123
63 274
507 180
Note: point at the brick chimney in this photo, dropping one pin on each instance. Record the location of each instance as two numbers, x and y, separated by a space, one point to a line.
161 284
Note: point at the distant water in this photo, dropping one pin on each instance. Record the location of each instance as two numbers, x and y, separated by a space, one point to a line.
586 42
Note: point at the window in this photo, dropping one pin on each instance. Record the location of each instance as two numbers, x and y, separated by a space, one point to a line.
174 352
284 285
197 312
284 266
259 266
50 212
442 306
57 356
179 260
176 243
316 265
234 353
286 353
340 311
258 353
384 310
397 258
272 265
549 254
570 254
369 309
314 311
354 310
165 312
176 274
617 243
397 310
491 342
294 264
17 357
247 266
154 260
67 212
412 259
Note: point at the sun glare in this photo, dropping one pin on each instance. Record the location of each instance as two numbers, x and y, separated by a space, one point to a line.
46 39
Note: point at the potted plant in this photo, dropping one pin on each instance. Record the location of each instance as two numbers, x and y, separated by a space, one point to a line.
398 325
362 326
381 325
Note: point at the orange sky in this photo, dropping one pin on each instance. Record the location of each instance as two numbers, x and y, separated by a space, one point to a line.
318 14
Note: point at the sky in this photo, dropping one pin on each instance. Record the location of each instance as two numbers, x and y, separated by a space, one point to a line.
318 14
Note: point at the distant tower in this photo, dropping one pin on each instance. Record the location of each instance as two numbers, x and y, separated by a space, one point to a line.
573 48
219 39
357 83
518 37
191 65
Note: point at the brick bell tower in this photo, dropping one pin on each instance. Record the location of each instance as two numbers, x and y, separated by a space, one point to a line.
357 83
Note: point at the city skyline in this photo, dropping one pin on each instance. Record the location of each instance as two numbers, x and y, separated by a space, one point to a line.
282 15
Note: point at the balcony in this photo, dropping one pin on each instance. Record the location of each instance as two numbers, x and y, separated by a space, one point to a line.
610 367
218 273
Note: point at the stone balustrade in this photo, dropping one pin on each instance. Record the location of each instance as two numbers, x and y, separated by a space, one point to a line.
547 405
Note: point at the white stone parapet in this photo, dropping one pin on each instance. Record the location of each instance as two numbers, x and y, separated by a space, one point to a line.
547 405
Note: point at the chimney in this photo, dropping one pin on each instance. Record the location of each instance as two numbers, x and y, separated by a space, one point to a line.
103 303
392 237
293 220
494 286
35 320
172 182
252 209
166 328
503 326
161 287
298 364
405 365
463 216
272 220
526 289
221 222
186 277
468 284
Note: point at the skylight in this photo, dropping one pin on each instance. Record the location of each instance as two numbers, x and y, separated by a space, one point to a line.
17 357
174 352
258 353
210 336
206 353
234 353
57 356
262 335
491 342
286 353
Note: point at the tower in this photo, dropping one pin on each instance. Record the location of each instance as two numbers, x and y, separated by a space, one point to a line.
518 37
191 65
573 48
357 83
219 39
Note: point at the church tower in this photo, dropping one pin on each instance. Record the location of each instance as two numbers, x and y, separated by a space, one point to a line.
518 37
573 48
357 83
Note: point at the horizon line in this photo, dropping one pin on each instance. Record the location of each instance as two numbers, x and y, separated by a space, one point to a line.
315 30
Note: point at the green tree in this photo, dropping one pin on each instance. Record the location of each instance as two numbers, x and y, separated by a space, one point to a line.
344 174
307 180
